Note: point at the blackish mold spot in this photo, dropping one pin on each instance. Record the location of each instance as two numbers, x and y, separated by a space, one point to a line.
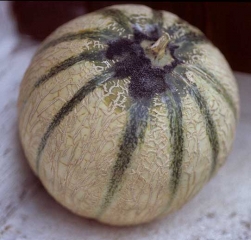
131 61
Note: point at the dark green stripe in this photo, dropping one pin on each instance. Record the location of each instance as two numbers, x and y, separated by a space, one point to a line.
119 17
192 37
174 106
210 125
101 35
97 56
157 18
134 132
68 107
69 62
204 109
189 36
216 84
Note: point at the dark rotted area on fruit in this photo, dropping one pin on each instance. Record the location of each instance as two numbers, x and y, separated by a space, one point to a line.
131 61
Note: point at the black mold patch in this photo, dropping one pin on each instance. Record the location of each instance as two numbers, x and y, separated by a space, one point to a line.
131 61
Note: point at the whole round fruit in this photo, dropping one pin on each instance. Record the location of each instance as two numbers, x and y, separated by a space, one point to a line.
126 112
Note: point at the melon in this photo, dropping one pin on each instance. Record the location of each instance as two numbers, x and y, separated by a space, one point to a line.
126 113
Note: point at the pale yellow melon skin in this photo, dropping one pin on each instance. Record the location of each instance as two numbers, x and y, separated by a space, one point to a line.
76 163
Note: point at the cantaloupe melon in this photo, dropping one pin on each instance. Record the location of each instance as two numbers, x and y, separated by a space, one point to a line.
126 112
